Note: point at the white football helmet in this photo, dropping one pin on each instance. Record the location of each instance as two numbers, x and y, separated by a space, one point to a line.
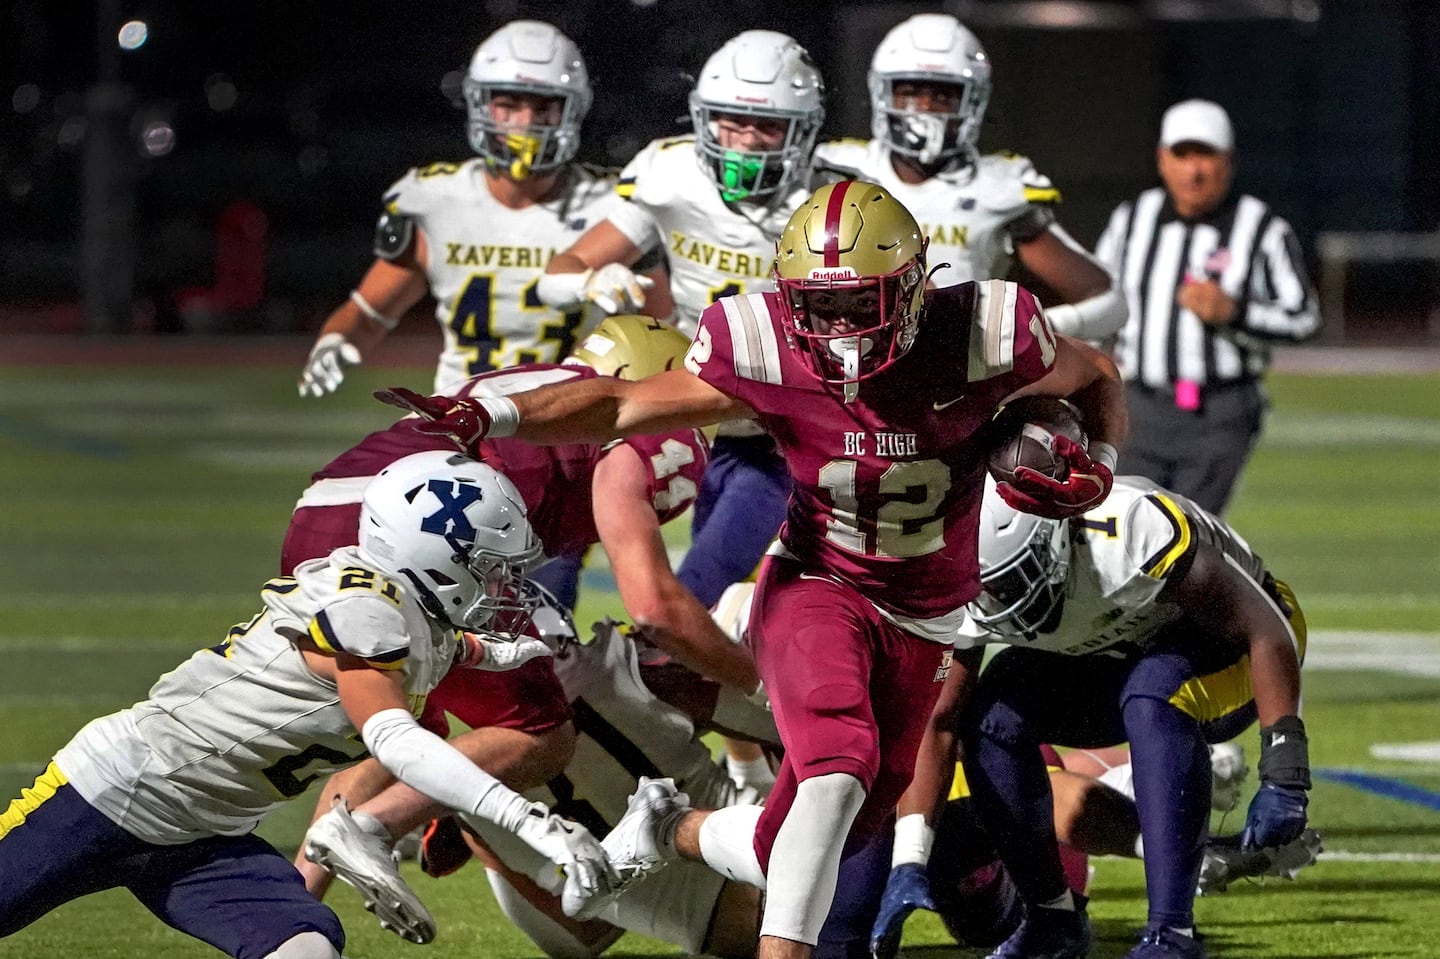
1024 560
526 56
929 48
456 531
761 74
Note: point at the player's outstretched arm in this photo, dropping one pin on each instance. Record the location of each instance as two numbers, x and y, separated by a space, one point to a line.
585 411
375 702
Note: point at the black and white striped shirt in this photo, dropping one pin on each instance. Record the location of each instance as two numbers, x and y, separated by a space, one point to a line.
1243 245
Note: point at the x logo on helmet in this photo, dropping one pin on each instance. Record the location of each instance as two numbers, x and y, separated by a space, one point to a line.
450 520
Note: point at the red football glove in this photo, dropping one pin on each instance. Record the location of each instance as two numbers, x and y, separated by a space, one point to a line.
1086 485
463 421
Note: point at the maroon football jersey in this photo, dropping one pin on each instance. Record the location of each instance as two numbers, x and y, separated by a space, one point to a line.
887 487
554 480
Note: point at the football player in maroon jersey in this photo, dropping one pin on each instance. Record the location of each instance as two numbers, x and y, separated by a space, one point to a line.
876 391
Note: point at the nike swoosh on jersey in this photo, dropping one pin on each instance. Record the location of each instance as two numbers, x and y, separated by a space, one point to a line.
949 403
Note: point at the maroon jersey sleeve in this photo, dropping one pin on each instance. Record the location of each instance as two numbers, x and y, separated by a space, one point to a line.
738 349
676 460
1011 338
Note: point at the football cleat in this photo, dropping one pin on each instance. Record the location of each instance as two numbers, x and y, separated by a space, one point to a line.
1162 942
1225 861
636 846
1049 934
1227 774
359 851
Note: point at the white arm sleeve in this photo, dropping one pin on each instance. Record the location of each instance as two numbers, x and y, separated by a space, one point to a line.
1097 317
423 760
1094 318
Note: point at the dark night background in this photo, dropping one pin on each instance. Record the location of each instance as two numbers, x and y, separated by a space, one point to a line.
309 110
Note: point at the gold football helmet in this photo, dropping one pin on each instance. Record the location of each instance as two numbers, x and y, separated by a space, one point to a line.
850 268
631 347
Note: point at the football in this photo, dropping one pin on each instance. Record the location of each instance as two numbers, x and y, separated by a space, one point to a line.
1023 434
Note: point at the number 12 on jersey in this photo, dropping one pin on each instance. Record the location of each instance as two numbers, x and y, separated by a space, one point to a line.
899 517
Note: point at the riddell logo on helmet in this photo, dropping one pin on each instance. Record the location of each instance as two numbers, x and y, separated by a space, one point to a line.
764 101
834 273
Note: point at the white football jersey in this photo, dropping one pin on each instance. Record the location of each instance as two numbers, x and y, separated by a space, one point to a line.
968 211
1122 554
485 259
623 732
714 248
242 727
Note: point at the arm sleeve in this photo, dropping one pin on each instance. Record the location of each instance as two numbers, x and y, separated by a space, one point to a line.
1093 318
428 763
1282 303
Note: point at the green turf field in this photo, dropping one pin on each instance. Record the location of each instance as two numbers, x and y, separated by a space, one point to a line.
142 508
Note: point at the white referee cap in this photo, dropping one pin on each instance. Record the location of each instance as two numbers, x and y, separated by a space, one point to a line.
1197 121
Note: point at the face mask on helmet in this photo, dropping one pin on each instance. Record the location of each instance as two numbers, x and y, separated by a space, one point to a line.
526 93
853 328
929 86
1024 561
756 111
455 532
850 269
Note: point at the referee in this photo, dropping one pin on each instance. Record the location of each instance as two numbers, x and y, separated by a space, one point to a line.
1212 278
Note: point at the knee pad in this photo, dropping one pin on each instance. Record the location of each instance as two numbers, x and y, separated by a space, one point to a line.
727 844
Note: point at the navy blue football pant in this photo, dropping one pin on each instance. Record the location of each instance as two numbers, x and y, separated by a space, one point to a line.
1027 697
738 511
235 892
561 576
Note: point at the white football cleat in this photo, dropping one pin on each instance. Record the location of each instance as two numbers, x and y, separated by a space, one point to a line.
359 851
1224 861
1227 774
637 845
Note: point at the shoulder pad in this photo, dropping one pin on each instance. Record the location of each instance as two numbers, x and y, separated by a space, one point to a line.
1161 540
842 157
394 234
1010 186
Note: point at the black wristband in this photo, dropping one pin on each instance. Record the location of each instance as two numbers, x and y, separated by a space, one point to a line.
1285 753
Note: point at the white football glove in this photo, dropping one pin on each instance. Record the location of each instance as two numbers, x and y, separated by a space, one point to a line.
497 656
569 845
325 369
616 288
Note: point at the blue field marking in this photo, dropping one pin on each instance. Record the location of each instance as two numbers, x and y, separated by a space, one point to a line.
1381 786
48 438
